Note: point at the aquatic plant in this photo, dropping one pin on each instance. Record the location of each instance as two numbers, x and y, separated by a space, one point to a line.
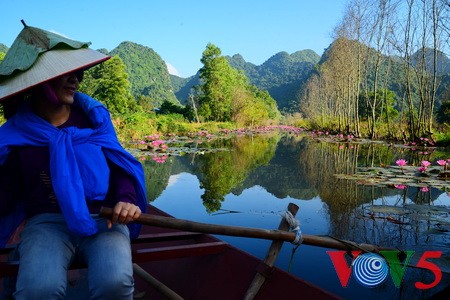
401 163
443 163
423 176
400 186
425 163
424 189
422 169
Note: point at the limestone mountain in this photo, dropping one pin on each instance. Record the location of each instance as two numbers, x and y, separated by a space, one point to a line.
3 48
281 75
147 72
442 61
183 86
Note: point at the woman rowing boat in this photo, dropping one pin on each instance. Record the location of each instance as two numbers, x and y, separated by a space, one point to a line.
60 161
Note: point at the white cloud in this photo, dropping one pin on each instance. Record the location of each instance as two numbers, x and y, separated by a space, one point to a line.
172 70
173 179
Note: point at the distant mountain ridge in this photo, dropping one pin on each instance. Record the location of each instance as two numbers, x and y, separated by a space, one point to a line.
183 86
281 75
443 62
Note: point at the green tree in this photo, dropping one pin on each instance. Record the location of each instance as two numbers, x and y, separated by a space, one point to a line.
216 88
385 107
171 108
108 83
269 103
248 110
225 94
146 102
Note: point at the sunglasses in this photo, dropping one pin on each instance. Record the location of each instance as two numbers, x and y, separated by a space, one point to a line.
79 74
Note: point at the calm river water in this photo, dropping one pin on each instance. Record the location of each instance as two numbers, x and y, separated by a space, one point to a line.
253 181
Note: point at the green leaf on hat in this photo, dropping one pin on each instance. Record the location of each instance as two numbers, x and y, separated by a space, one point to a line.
31 42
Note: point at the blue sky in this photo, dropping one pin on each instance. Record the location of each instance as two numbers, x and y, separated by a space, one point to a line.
180 30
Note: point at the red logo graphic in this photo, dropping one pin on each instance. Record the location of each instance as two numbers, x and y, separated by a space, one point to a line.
371 269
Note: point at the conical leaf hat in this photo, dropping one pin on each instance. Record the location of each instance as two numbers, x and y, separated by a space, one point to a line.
37 56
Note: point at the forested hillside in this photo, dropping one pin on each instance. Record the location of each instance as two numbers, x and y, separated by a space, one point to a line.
384 74
147 72
383 86
442 61
282 75
387 70
182 86
3 48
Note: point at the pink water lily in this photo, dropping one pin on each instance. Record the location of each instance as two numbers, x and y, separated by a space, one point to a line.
400 186
424 189
159 159
422 169
441 162
156 143
401 162
425 163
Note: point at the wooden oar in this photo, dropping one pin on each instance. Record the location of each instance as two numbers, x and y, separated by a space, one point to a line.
158 285
186 225
271 256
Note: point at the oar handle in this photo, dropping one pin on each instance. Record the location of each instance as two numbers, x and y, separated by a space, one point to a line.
186 225
191 226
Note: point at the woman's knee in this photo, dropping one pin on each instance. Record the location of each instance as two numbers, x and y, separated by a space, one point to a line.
118 286
41 289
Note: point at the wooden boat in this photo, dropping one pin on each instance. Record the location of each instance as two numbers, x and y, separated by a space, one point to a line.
171 263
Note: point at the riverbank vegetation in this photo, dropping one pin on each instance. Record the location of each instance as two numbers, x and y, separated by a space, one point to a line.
224 100
385 76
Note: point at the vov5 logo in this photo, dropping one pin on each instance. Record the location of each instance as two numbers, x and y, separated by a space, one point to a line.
371 269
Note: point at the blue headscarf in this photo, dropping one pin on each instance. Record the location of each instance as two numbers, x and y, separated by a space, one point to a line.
77 161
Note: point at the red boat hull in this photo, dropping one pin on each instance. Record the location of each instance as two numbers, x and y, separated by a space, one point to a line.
194 266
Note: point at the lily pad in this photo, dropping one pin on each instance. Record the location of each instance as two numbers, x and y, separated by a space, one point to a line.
391 176
388 209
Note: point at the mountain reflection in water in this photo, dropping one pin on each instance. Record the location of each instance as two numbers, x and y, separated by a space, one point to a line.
252 184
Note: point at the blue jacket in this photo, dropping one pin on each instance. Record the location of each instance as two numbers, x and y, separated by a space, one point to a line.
77 163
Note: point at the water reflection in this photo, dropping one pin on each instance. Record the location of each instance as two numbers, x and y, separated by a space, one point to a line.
259 175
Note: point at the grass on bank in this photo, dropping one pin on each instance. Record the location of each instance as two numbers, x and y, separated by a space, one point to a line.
137 125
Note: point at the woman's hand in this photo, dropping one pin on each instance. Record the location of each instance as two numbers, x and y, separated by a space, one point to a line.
124 213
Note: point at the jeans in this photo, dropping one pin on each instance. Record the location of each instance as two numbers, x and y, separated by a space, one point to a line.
47 249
